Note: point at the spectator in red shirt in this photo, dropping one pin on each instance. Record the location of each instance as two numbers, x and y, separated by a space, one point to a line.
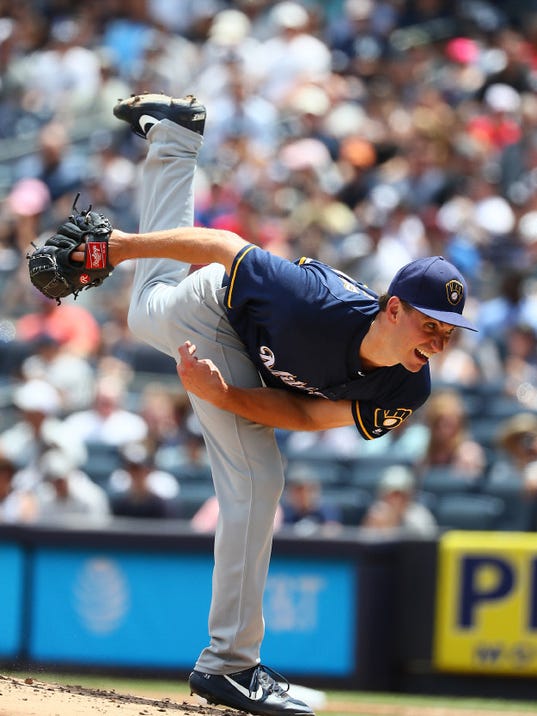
72 326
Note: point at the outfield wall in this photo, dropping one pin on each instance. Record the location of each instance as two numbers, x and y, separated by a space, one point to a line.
457 614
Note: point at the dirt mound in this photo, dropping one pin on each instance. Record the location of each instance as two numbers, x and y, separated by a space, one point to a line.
31 697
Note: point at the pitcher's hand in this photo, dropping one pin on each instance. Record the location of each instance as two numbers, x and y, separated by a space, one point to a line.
200 376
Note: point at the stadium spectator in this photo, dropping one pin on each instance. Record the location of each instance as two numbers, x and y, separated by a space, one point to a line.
513 474
396 506
28 203
293 55
16 505
57 164
72 325
64 492
512 304
450 443
107 420
520 365
166 414
517 440
138 489
457 365
71 374
304 507
39 428
188 458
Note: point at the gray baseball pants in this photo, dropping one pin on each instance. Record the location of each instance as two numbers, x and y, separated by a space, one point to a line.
168 306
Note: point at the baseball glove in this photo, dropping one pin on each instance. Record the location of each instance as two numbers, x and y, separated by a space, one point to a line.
51 268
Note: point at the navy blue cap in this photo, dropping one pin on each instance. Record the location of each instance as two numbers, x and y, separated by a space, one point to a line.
435 287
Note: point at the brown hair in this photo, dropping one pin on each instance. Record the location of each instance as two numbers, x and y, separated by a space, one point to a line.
385 297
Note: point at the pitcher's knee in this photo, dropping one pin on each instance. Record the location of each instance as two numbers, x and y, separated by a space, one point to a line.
145 326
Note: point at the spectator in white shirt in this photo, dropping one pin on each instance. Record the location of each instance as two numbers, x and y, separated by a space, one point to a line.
66 492
108 420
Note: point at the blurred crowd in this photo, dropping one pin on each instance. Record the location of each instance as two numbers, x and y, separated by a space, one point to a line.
365 133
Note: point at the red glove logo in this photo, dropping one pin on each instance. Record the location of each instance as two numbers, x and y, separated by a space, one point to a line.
95 255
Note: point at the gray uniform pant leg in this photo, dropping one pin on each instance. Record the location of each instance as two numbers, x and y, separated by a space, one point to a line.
169 306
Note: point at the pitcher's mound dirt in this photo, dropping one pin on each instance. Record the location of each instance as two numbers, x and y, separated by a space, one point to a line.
32 697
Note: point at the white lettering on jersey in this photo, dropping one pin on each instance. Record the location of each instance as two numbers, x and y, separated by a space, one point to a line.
268 358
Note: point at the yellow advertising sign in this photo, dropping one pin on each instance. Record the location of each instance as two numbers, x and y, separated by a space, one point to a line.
486 606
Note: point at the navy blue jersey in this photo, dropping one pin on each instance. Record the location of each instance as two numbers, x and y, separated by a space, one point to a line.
303 323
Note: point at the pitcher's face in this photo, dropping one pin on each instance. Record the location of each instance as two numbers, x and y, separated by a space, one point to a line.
419 337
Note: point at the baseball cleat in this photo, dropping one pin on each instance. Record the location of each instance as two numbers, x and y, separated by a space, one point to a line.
253 690
142 111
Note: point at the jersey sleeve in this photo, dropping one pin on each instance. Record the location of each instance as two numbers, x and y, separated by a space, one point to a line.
374 419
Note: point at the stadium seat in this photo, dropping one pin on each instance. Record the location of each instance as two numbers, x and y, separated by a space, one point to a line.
484 429
428 500
351 502
442 480
145 359
519 510
503 406
467 511
191 498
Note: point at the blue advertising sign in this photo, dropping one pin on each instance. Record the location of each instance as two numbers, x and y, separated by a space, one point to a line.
120 608
11 599
150 610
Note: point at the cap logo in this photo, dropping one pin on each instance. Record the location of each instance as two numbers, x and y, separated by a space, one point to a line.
455 291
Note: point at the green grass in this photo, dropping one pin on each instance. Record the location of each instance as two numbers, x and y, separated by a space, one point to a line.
500 705
178 690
